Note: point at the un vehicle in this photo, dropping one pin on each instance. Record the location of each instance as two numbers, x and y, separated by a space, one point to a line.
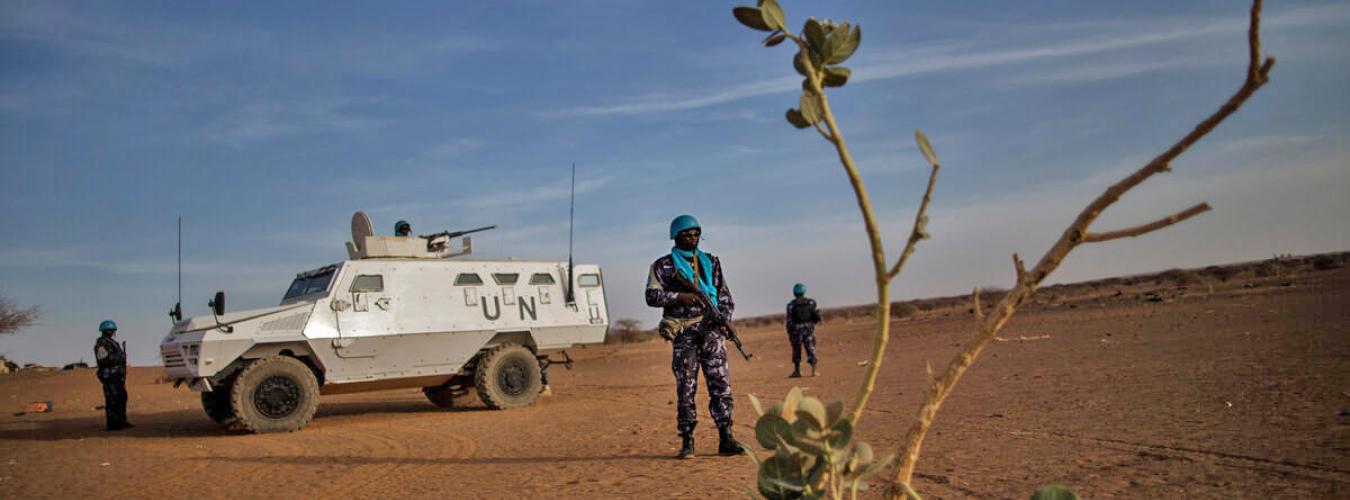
400 312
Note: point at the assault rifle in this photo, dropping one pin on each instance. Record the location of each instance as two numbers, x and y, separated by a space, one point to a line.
712 312
448 235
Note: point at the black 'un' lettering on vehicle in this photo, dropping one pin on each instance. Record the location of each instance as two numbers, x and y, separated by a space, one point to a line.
524 308
497 308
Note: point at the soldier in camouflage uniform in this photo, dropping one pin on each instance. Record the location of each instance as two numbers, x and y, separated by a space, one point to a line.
112 373
696 343
802 317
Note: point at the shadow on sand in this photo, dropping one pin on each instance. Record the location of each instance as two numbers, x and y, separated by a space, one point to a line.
188 423
362 460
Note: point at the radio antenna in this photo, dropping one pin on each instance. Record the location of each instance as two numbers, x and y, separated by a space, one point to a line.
571 225
177 312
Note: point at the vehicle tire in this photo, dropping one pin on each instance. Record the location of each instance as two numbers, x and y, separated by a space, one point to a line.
274 394
507 376
218 407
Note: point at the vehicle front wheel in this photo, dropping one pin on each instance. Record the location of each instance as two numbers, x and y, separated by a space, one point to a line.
274 394
507 376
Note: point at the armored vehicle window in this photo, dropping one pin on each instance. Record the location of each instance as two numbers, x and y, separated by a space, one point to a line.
505 279
588 280
368 283
542 279
305 285
468 279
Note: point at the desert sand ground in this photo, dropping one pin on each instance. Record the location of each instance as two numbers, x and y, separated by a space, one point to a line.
1242 390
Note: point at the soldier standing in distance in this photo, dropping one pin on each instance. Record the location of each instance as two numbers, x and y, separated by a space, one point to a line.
402 228
802 317
696 343
111 357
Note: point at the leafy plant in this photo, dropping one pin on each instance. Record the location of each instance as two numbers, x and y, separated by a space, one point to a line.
813 450
821 47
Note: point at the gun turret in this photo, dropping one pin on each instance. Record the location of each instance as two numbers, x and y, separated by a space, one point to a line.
433 245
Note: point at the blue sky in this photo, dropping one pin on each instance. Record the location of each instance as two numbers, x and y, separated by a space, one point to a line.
265 126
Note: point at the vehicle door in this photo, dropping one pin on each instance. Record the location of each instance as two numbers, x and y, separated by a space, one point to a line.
593 295
364 310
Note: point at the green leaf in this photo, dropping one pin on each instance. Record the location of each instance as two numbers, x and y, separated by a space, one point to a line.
836 76
754 401
834 410
841 44
795 118
832 39
773 14
1054 492
769 428
863 452
842 433
815 34
751 18
776 409
799 63
925 147
774 39
810 105
810 408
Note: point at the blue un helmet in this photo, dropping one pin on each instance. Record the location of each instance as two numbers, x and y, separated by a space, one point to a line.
683 223
106 325
401 228
799 289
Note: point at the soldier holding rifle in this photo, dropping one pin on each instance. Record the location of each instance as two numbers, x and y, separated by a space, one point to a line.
684 284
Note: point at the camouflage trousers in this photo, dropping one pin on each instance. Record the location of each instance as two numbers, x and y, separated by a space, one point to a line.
694 348
115 400
802 335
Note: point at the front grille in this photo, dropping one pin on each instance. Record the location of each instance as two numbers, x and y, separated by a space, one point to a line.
173 360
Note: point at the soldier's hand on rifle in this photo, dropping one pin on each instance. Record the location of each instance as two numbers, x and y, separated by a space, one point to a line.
686 298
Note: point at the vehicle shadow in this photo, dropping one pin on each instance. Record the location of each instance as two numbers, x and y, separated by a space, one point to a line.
169 424
350 460
189 423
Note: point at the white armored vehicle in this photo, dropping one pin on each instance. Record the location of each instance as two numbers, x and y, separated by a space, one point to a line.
400 312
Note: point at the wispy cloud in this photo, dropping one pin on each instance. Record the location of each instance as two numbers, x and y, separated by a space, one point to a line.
273 118
948 57
533 196
1272 142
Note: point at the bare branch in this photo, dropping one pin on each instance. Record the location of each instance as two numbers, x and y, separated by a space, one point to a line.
920 231
12 319
1076 234
1147 228
1020 268
823 133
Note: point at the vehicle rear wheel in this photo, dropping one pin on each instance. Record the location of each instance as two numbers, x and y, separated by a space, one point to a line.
217 406
274 394
507 376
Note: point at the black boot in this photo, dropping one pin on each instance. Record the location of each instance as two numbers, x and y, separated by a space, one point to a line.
727 445
796 371
686 449
813 369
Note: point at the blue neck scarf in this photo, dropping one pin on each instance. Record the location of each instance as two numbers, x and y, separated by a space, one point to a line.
681 259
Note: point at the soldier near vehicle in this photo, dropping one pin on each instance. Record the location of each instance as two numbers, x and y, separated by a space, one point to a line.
402 228
112 373
802 317
697 339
